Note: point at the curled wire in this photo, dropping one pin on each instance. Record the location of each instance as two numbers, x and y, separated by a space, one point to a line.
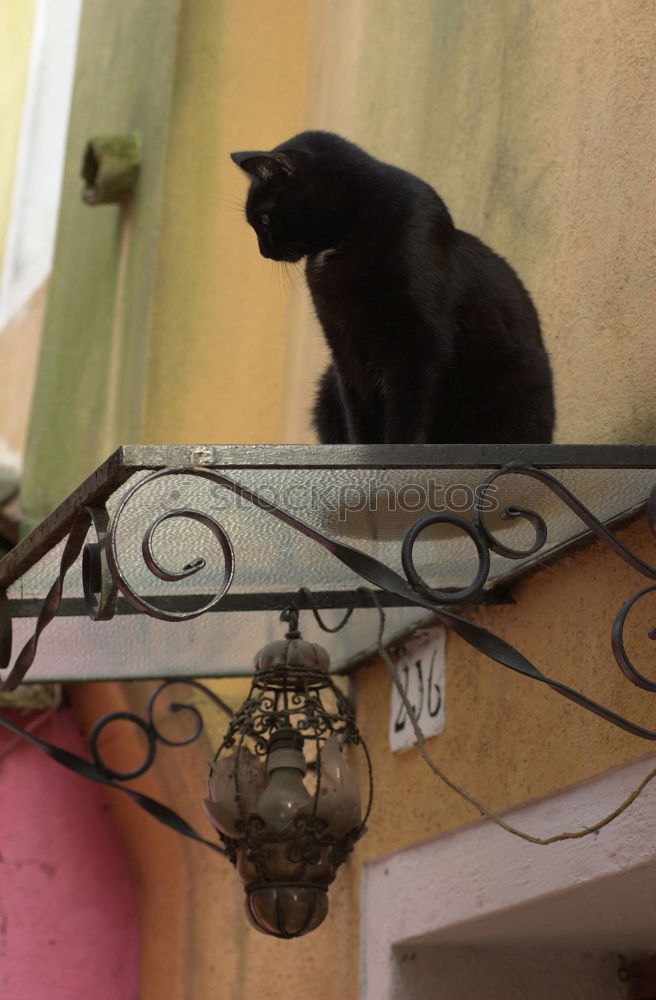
307 594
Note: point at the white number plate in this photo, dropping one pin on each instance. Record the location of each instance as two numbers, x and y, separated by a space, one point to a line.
421 669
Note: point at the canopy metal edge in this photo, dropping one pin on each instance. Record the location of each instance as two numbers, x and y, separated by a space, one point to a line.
130 459
376 456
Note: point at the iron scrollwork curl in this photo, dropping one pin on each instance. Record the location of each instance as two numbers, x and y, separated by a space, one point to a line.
417 582
100 593
601 532
6 631
619 649
112 772
99 771
570 500
513 512
189 569
150 730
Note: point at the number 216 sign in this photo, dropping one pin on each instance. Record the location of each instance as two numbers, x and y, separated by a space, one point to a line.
421 669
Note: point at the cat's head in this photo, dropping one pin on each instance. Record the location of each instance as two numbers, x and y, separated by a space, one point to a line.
297 202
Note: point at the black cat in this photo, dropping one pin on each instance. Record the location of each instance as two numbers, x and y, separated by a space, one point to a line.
433 336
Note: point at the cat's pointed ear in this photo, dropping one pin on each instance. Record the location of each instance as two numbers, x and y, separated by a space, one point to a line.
264 165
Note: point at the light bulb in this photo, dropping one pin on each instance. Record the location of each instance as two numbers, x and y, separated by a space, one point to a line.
285 796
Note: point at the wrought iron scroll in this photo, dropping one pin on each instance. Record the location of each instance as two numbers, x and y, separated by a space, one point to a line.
586 516
191 568
99 592
5 631
602 533
619 649
412 589
98 770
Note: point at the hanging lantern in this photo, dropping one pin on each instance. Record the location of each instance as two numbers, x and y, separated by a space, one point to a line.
281 794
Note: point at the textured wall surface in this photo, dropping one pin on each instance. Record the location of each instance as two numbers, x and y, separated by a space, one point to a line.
219 317
68 913
18 343
19 351
16 18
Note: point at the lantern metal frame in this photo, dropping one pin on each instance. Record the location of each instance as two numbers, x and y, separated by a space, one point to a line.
291 692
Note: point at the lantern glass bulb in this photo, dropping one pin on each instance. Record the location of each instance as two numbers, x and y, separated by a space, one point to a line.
285 796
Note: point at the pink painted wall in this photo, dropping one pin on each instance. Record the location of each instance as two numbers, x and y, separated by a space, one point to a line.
68 913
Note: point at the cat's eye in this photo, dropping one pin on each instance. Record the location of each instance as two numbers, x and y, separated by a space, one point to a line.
264 219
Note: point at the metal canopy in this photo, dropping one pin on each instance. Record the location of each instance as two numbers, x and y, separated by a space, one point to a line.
291 515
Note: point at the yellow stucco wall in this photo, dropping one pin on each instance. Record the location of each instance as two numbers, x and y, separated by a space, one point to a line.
19 349
19 341
219 316
16 18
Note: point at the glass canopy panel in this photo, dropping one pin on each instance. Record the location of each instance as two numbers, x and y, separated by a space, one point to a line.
366 498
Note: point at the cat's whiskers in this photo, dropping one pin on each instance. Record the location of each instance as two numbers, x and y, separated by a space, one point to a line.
290 274
233 206
278 274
